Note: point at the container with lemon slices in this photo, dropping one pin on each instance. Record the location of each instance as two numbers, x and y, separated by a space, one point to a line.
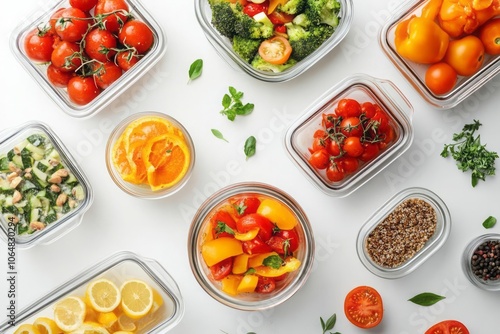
150 155
123 294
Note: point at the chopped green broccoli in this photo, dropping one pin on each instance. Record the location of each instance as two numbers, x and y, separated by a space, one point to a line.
324 11
224 17
246 48
257 27
262 65
293 6
306 41
302 20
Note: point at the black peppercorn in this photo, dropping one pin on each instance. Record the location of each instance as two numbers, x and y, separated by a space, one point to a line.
485 261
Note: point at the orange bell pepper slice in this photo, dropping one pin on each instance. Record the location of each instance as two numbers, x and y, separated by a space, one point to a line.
290 264
216 250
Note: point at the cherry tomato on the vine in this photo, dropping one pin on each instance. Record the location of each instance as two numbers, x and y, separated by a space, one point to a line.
100 45
115 13
38 45
320 159
136 34
85 5
66 56
351 126
57 77
352 146
72 24
334 172
348 108
368 109
370 151
126 59
82 90
105 74
348 164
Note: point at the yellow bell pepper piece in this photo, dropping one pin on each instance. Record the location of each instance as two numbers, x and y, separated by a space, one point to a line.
258 259
247 236
291 264
278 213
216 250
230 284
248 283
421 40
240 263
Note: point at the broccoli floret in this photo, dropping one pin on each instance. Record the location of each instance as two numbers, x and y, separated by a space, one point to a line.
246 48
306 41
302 20
224 17
257 27
260 64
293 6
324 11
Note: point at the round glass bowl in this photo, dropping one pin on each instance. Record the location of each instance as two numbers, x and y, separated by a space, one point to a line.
408 232
362 88
476 248
167 130
201 232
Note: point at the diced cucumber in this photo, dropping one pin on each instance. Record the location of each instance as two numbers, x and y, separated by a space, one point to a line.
39 174
26 158
35 202
28 185
41 193
35 215
4 185
33 149
71 179
78 192
21 145
54 155
18 161
43 165
36 139
50 217
4 164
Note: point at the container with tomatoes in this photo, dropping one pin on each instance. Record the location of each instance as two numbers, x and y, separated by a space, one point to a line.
250 246
351 133
446 49
84 54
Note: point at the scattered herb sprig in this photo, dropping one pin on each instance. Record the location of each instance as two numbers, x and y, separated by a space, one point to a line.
233 106
489 222
250 146
426 299
470 154
329 324
195 69
219 135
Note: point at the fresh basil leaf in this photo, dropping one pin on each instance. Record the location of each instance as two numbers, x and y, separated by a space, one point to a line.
218 134
489 222
426 299
195 69
273 261
250 146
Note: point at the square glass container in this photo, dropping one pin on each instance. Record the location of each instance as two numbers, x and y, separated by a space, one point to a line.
469 252
363 88
431 246
34 186
117 268
415 73
223 44
59 95
200 230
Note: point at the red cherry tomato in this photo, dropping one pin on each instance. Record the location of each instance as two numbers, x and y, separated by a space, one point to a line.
252 9
105 74
440 78
245 205
363 307
82 90
368 109
85 5
66 56
352 146
370 151
351 126
38 45
256 246
100 45
57 77
72 24
333 148
382 118
329 120
222 269
255 220
348 108
335 173
280 18
490 36
265 285
348 164
126 60
136 34
291 237
115 13
53 19
218 220
320 159
448 327
275 50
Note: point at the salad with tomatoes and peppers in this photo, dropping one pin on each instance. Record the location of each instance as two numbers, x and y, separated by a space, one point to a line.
352 135
88 46
250 243
273 35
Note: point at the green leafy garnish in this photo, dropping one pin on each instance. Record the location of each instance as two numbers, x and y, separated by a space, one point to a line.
233 106
273 261
489 222
470 154
222 227
426 299
195 69
249 147
329 324
218 134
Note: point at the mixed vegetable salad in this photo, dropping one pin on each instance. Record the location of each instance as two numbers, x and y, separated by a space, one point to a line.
273 35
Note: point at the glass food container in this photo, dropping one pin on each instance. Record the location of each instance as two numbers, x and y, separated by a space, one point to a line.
117 268
363 88
143 190
415 73
379 221
200 233
224 48
60 95
44 193
476 247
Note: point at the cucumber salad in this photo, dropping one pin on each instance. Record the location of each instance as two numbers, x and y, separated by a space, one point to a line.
36 188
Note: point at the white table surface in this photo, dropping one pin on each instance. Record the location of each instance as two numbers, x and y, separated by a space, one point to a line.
158 229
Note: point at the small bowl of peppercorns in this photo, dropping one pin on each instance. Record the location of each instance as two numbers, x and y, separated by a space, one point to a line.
481 262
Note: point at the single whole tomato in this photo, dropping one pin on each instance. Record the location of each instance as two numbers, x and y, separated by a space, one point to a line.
72 24
265 285
275 50
368 109
85 5
351 126
100 45
335 172
126 59
255 220
57 77
114 13
348 108
38 45
490 36
370 151
136 34
245 205
448 327
252 9
348 164
291 237
82 90
440 78
465 55
105 74
353 147
320 159
222 268
66 56
363 307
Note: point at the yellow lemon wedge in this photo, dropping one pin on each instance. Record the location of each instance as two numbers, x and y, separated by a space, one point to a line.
137 298
103 295
69 313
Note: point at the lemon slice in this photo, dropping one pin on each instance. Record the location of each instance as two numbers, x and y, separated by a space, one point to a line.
46 326
137 298
26 329
107 319
90 328
69 313
103 295
126 324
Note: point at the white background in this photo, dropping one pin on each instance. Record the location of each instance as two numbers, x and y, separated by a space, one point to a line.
158 229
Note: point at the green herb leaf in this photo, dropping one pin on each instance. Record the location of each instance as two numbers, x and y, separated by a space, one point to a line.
218 134
426 299
250 146
233 106
222 227
273 261
195 69
470 154
329 324
489 222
